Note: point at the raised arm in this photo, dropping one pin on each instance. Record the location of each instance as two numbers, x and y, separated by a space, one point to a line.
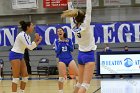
87 20
70 7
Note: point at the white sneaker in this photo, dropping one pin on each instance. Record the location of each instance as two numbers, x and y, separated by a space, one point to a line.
61 91
21 91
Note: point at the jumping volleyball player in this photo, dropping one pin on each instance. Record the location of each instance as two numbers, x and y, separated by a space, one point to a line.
80 24
23 40
63 49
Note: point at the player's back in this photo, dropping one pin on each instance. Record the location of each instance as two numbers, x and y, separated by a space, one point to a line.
19 46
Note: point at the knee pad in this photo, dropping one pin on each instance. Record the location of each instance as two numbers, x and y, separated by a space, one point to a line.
61 79
61 91
15 80
78 85
85 85
25 79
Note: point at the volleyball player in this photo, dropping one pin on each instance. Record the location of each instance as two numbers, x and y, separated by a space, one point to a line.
80 24
16 55
63 49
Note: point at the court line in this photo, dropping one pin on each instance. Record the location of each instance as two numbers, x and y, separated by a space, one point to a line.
97 90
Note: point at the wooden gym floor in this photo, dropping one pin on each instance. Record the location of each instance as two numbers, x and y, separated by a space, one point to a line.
45 85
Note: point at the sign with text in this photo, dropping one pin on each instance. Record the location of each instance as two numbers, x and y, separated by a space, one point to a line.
54 3
8 35
120 63
82 3
116 2
118 32
24 4
137 1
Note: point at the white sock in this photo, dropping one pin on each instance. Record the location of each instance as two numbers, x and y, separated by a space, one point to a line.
21 91
61 91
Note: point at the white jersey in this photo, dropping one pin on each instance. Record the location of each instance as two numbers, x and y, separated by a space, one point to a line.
84 34
23 41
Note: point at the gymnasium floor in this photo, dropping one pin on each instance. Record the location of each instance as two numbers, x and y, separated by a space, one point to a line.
45 85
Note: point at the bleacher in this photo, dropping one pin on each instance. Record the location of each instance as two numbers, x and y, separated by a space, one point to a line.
35 55
48 52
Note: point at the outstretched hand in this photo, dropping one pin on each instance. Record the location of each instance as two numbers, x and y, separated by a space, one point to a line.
40 39
36 37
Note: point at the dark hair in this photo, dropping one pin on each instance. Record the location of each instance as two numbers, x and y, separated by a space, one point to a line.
126 46
65 34
24 25
80 17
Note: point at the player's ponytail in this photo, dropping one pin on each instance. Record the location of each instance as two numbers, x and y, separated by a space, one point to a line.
24 25
80 17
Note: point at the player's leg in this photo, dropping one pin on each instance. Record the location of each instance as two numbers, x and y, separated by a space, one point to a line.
16 73
88 74
62 73
24 74
80 78
73 69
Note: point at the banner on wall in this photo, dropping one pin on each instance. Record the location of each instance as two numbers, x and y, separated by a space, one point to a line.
8 35
24 4
137 1
54 3
82 3
116 2
118 32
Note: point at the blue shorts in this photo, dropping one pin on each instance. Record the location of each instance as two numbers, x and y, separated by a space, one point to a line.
85 57
66 61
14 55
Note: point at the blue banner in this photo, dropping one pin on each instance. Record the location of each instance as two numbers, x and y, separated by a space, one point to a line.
8 35
48 32
118 32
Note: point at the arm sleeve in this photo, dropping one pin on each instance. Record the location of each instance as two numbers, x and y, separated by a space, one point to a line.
87 20
27 42
70 45
70 7
58 47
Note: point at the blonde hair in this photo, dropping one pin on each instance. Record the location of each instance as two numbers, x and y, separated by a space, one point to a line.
78 14
70 13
